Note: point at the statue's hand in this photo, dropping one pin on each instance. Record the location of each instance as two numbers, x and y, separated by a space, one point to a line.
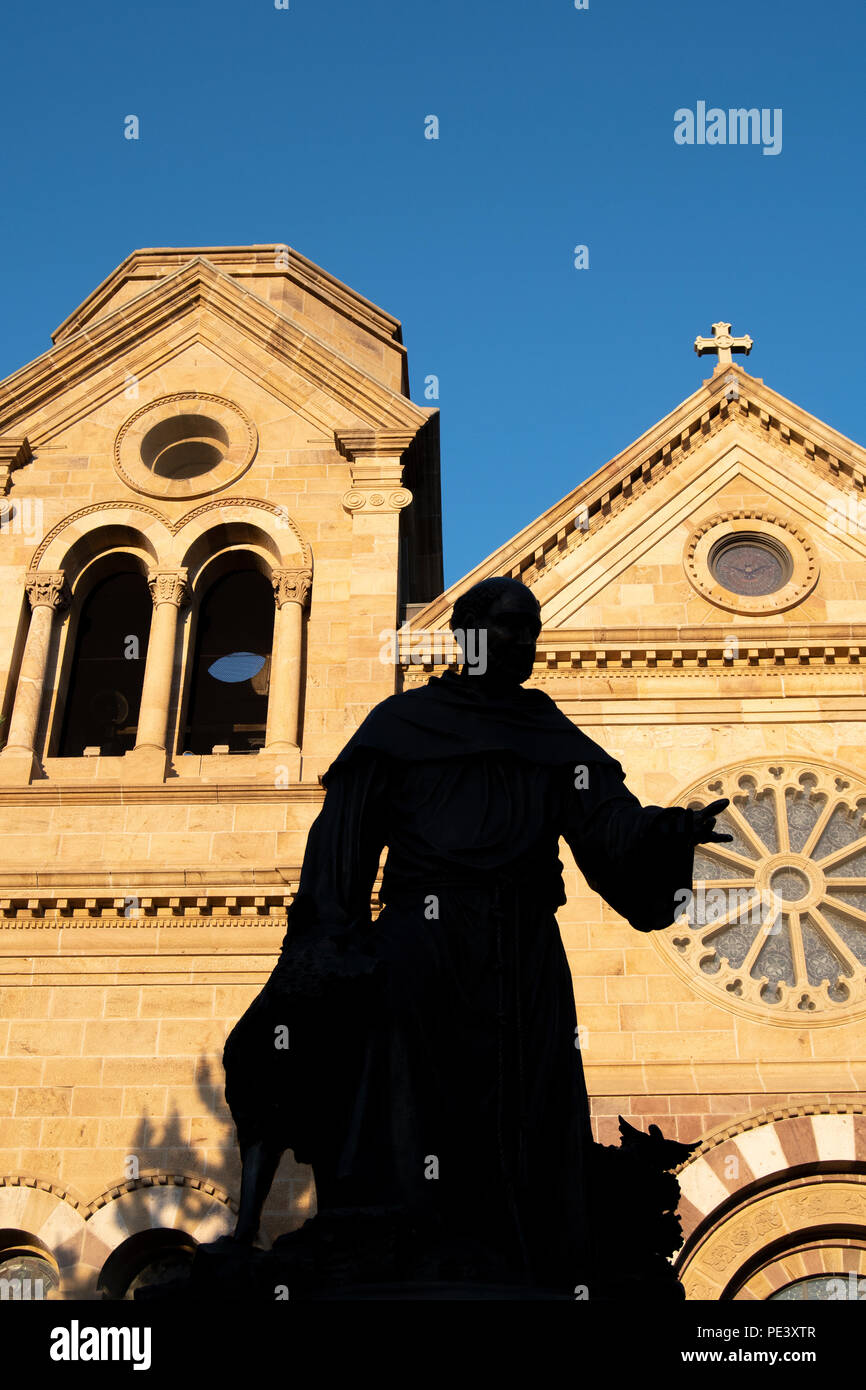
705 819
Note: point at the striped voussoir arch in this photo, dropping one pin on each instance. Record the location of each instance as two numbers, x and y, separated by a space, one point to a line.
765 1146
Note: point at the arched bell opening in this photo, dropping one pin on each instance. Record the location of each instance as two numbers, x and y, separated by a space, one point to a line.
102 680
226 704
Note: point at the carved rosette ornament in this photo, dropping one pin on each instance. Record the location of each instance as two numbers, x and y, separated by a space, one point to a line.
168 586
776 926
47 589
292 586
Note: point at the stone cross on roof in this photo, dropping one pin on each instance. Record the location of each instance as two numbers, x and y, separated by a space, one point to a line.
723 344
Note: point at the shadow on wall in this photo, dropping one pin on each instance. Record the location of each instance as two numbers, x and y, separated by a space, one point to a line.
204 1145
179 1189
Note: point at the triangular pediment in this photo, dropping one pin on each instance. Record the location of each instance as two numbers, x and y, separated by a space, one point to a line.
198 303
645 572
733 436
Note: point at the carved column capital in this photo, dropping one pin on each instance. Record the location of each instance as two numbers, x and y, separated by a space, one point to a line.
375 468
168 586
47 589
292 586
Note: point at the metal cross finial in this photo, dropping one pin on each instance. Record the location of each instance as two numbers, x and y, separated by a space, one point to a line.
723 344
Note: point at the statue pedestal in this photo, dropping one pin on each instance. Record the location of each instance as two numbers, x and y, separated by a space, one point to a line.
346 1255
354 1255
386 1253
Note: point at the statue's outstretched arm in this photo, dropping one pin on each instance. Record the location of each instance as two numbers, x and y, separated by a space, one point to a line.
640 859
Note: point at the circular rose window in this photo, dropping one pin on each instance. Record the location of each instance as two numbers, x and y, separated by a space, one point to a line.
185 446
751 562
776 924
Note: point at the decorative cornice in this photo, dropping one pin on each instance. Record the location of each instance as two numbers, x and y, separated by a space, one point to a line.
14 453
47 911
747 651
27 921
96 906
605 502
369 444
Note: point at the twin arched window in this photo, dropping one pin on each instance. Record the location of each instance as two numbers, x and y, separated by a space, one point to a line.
224 700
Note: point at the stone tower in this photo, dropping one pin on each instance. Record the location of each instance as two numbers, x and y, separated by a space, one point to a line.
216 495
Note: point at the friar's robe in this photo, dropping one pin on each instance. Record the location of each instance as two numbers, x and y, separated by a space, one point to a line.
433 1059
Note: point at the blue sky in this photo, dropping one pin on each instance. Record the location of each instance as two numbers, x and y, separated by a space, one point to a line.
306 126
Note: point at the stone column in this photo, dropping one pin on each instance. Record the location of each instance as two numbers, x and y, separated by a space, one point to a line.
168 590
48 595
291 592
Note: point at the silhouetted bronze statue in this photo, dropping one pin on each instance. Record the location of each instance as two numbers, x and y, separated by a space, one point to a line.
426 1063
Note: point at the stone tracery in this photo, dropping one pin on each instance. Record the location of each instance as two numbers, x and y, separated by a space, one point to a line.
777 925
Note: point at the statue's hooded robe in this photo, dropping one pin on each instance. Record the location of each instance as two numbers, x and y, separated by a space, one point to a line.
433 1058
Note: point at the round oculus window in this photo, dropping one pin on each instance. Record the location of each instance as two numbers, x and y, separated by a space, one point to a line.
751 562
186 445
752 565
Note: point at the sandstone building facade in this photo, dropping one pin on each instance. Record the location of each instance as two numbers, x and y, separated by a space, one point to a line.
215 497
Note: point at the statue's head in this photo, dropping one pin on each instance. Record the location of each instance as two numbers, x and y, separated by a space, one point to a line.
505 619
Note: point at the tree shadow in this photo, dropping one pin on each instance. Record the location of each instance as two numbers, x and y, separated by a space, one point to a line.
203 1145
